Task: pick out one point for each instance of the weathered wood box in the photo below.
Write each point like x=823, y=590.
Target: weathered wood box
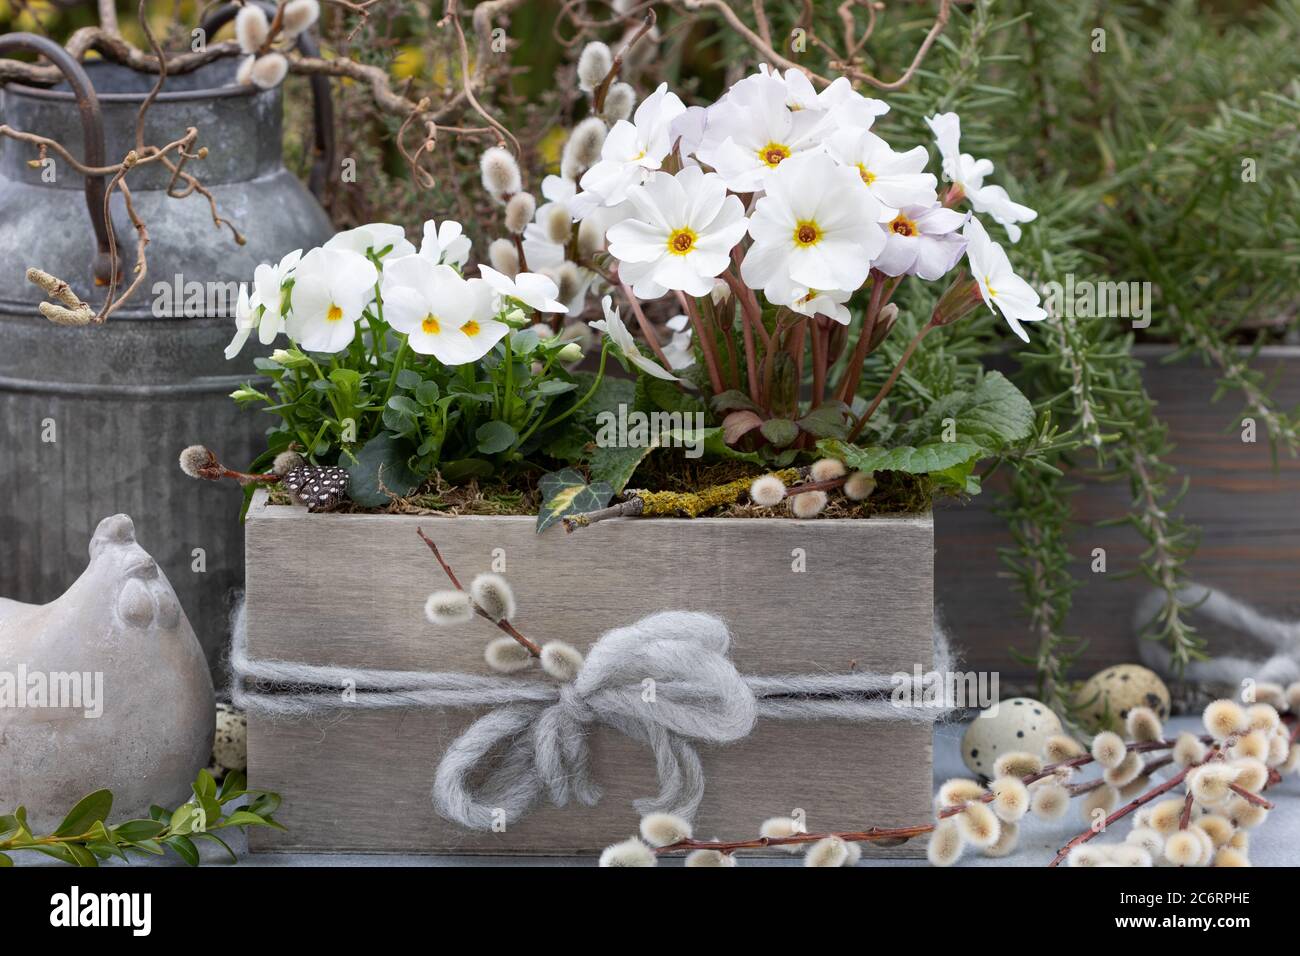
x=349, y=590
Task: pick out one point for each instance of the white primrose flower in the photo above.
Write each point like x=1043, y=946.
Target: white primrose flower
x=534, y=290
x=444, y=243
x=678, y=350
x=331, y=289
x=1015, y=298
x=805, y=301
x=896, y=179
x=816, y=227
x=845, y=105
x=374, y=238
x=680, y=234
x=631, y=152
x=968, y=173
x=442, y=313
x=613, y=327
x=922, y=241
x=751, y=131
x=245, y=322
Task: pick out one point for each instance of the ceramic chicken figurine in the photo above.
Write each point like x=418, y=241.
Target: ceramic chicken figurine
x=106, y=686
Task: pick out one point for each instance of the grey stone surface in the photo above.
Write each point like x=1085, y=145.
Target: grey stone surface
x=138, y=719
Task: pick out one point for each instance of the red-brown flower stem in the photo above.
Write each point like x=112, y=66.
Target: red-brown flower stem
x=818, y=331
x=1249, y=797
x=1119, y=814
x=828, y=485
x=893, y=377
x=503, y=624
x=862, y=348
x=708, y=346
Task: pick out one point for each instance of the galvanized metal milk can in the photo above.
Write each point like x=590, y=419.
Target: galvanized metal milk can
x=92, y=418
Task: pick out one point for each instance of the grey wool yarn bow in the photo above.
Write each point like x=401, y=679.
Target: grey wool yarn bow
x=666, y=681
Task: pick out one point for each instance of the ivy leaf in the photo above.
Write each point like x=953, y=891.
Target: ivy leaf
x=382, y=459
x=926, y=459
x=90, y=809
x=566, y=492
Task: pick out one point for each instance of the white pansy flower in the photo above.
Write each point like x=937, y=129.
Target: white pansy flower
x=442, y=313
x=678, y=350
x=680, y=235
x=375, y=237
x=999, y=286
x=816, y=227
x=534, y=290
x=751, y=131
x=618, y=334
x=968, y=173
x=331, y=289
x=245, y=322
x=896, y=179
x=445, y=243
x=268, y=281
x=922, y=241
x=631, y=152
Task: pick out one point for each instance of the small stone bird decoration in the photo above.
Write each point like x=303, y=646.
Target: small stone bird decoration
x=104, y=687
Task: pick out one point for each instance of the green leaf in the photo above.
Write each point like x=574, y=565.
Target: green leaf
x=205, y=785
x=220, y=842
x=555, y=386
x=381, y=471
x=405, y=405
x=265, y=804
x=5, y=861
x=495, y=436
x=732, y=400
x=927, y=459
x=992, y=416
x=133, y=831
x=464, y=469
x=567, y=492
x=779, y=431
x=828, y=420
x=427, y=393
x=409, y=379
x=90, y=809
x=616, y=464
x=245, y=818
x=232, y=785
x=184, y=848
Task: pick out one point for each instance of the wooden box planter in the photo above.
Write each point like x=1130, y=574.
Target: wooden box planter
x=349, y=590
x=1244, y=507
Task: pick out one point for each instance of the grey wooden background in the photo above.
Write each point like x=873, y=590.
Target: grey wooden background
x=362, y=782
x=1248, y=513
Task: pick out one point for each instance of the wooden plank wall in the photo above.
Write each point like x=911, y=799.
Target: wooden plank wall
x=1248, y=513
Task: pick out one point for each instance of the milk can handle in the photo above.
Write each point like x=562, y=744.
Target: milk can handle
x=322, y=105
x=92, y=129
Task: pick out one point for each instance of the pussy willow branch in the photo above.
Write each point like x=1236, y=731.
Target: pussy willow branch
x=503, y=624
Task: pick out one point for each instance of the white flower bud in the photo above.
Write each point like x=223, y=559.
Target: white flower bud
x=1017, y=763
x=619, y=100
x=582, y=150
x=448, y=607
x=827, y=469
x=562, y=661
x=501, y=176
x=506, y=655
x=298, y=16
x=1188, y=750
x=251, y=28
x=196, y=458
x=244, y=75
x=860, y=485
x=831, y=851
x=1087, y=855
x=556, y=222
x=710, y=858
x=504, y=257
x=1006, y=841
x=493, y=594
x=809, y=504
x=1060, y=747
x=286, y=462
x=594, y=64
x=269, y=71
x=519, y=212
x=1108, y=749
x=628, y=853
x=1223, y=718
x=570, y=353
x=662, y=829
x=767, y=491
x=1051, y=801
x=945, y=844
x=1011, y=798
x=1142, y=724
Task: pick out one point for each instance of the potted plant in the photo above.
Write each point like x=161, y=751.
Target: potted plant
x=787, y=455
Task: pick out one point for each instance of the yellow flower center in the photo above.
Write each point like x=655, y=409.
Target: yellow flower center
x=867, y=175
x=773, y=153
x=471, y=328
x=987, y=284
x=807, y=233
x=335, y=314
x=903, y=226
x=681, y=241
x=430, y=324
